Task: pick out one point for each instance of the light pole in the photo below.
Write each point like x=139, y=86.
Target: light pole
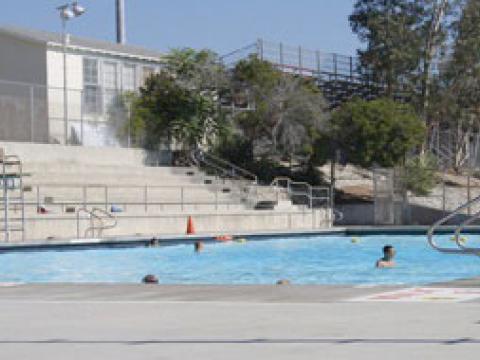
x=67, y=11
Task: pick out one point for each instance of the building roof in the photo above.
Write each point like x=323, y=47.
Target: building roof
x=56, y=39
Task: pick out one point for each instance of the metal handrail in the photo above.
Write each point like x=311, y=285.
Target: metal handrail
x=247, y=175
x=6, y=161
x=92, y=215
x=458, y=231
x=103, y=226
x=308, y=194
x=443, y=220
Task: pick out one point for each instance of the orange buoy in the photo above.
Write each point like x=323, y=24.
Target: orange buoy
x=190, y=227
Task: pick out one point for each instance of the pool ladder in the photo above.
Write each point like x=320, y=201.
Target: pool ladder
x=462, y=249
x=95, y=215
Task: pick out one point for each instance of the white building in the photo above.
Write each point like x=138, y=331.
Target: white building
x=32, y=86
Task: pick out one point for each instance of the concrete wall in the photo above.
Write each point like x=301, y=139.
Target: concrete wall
x=52, y=226
x=356, y=214
x=53, y=153
x=23, y=112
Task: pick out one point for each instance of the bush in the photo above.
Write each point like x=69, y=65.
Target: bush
x=379, y=132
x=420, y=174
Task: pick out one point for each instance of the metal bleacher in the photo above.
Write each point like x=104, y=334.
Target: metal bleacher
x=339, y=77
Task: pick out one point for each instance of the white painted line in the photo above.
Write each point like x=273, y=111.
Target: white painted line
x=9, y=284
x=423, y=294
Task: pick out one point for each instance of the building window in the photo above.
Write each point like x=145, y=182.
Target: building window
x=110, y=84
x=90, y=71
x=128, y=78
x=91, y=88
x=110, y=75
x=147, y=72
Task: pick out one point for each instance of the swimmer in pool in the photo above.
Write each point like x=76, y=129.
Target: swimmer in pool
x=387, y=260
x=198, y=246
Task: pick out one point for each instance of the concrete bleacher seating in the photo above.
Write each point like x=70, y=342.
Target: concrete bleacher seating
x=152, y=199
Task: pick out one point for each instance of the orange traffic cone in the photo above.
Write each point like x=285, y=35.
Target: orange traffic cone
x=190, y=227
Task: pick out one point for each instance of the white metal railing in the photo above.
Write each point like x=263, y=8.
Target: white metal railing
x=461, y=248
x=99, y=215
x=11, y=195
x=183, y=195
x=222, y=166
x=310, y=194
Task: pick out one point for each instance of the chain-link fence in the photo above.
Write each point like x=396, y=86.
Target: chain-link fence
x=93, y=116
x=384, y=196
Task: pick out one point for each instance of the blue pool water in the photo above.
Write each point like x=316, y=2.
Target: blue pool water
x=302, y=260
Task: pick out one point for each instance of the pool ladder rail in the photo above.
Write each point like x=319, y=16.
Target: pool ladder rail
x=99, y=215
x=11, y=196
x=462, y=249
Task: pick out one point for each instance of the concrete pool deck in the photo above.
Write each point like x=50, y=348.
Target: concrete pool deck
x=101, y=321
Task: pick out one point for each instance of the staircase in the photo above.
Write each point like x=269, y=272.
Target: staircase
x=282, y=193
x=65, y=184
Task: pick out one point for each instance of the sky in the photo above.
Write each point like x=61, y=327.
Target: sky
x=220, y=25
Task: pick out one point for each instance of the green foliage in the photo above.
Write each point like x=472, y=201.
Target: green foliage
x=379, y=132
x=322, y=150
x=179, y=105
x=166, y=111
x=196, y=69
x=236, y=149
x=391, y=30
x=289, y=111
x=420, y=174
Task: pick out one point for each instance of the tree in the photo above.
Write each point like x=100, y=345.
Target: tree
x=179, y=105
x=419, y=174
x=289, y=111
x=380, y=132
x=199, y=70
x=392, y=31
x=167, y=112
x=455, y=104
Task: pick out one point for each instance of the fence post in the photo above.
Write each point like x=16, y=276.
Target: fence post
x=38, y=196
x=300, y=60
x=106, y=198
x=317, y=58
x=181, y=197
x=260, y=48
x=351, y=68
x=145, y=197
x=32, y=114
x=469, y=195
x=335, y=69
x=281, y=55
x=82, y=140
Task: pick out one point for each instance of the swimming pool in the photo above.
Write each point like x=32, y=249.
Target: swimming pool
x=332, y=259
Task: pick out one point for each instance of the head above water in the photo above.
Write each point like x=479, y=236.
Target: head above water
x=198, y=246
x=388, y=252
x=150, y=279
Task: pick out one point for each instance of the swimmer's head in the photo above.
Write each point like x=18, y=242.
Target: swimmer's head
x=198, y=246
x=150, y=279
x=389, y=251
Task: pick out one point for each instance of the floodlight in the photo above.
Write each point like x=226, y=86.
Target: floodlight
x=65, y=12
x=78, y=9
